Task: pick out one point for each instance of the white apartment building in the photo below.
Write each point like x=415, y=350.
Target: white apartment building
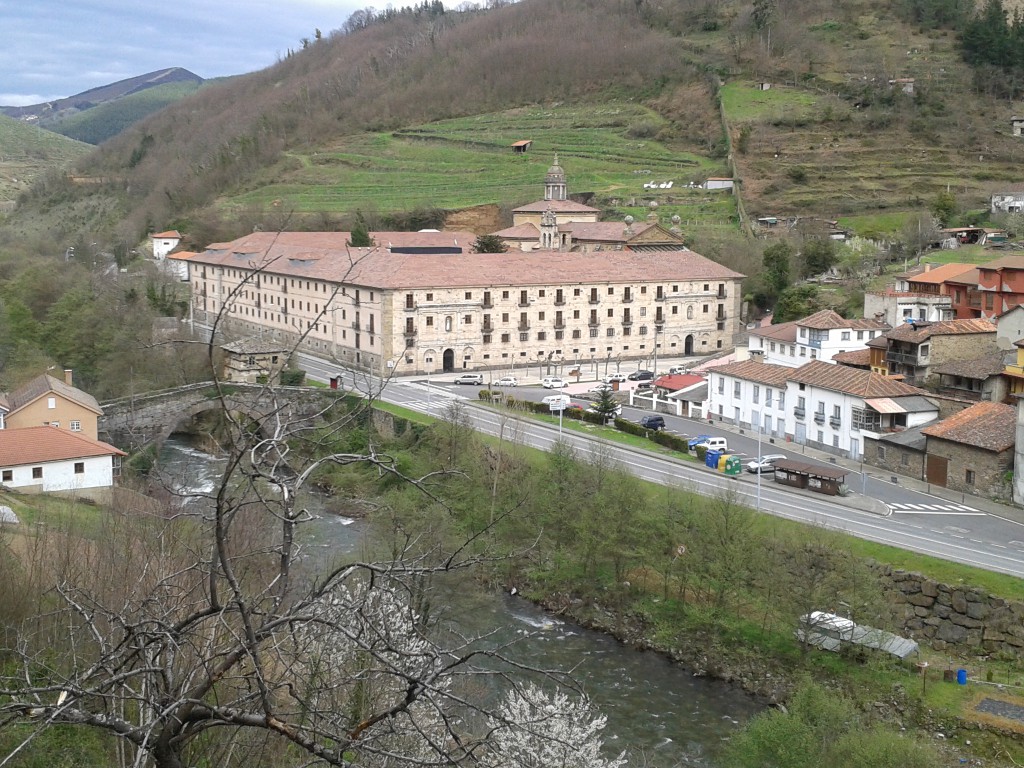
x=820, y=336
x=419, y=302
x=827, y=406
x=750, y=393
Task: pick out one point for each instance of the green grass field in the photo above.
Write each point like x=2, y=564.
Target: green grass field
x=468, y=161
x=745, y=103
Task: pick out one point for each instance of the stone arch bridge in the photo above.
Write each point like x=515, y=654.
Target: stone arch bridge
x=135, y=421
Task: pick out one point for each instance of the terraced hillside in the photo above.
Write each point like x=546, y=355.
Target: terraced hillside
x=463, y=162
x=26, y=152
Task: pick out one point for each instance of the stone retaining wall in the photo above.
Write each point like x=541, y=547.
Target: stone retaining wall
x=960, y=619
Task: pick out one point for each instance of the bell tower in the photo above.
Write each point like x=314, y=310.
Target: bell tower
x=554, y=182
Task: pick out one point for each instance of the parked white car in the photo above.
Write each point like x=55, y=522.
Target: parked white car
x=614, y=377
x=470, y=378
x=507, y=381
x=553, y=382
x=599, y=388
x=767, y=463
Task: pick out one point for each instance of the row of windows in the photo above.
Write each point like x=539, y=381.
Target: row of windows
x=7, y=475
x=262, y=278
x=818, y=334
x=627, y=293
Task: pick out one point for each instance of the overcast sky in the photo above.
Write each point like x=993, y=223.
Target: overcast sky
x=50, y=49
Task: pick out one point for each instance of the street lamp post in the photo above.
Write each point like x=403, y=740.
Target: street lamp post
x=656, y=331
x=759, y=463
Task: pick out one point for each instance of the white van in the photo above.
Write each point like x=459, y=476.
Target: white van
x=716, y=444
x=676, y=369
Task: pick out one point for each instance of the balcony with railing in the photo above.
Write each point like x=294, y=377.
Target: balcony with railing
x=905, y=358
x=559, y=324
x=487, y=328
x=799, y=412
x=835, y=422
x=524, y=325
x=819, y=417
x=594, y=300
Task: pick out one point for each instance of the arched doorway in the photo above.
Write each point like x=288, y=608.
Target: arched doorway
x=688, y=345
x=448, y=361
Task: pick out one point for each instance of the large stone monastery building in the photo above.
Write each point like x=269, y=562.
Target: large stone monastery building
x=422, y=302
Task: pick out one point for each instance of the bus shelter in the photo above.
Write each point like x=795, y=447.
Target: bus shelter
x=813, y=477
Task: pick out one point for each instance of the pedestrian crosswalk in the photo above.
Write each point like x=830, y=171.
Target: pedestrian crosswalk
x=933, y=509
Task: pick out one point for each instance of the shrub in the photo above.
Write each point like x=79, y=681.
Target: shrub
x=643, y=129
x=293, y=377
x=592, y=418
x=701, y=452
x=669, y=440
x=797, y=174
x=624, y=425
x=484, y=394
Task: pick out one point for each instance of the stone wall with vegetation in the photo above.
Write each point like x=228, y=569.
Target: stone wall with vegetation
x=960, y=619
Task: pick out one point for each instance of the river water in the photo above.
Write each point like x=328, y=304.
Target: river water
x=664, y=715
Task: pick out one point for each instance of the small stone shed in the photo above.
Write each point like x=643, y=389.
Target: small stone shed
x=972, y=451
x=255, y=360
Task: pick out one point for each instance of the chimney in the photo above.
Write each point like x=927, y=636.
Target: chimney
x=927, y=267
x=68, y=378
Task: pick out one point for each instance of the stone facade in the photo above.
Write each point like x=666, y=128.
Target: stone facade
x=963, y=620
x=974, y=470
x=896, y=459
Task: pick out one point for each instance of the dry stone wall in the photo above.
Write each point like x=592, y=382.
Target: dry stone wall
x=958, y=619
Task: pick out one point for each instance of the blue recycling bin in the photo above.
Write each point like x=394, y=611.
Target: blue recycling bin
x=711, y=459
x=961, y=677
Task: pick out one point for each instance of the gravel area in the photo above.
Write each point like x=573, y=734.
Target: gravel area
x=1001, y=709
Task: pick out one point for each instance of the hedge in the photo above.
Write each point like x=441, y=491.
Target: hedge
x=624, y=425
x=669, y=440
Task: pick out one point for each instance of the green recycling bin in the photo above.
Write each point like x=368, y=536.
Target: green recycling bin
x=733, y=465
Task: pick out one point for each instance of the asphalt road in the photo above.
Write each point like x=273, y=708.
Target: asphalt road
x=916, y=521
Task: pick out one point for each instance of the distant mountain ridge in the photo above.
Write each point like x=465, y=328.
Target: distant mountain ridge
x=100, y=95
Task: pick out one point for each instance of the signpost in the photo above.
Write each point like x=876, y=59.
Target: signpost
x=558, y=405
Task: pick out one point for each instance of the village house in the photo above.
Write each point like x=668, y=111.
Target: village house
x=47, y=401
x=976, y=378
x=417, y=302
x=918, y=295
x=164, y=242
x=973, y=450
x=1010, y=327
x=820, y=336
x=1001, y=285
x=750, y=394
x=48, y=460
x=837, y=408
x=1013, y=371
x=915, y=349
x=1009, y=199
x=831, y=407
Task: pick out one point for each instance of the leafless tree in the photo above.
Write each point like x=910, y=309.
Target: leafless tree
x=202, y=632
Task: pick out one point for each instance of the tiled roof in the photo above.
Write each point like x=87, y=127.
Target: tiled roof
x=527, y=231
x=752, y=370
x=44, y=384
x=977, y=368
x=677, y=381
x=984, y=425
x=970, y=277
x=556, y=206
x=940, y=273
x=854, y=357
x=316, y=256
x=918, y=332
x=829, y=319
x=171, y=233
x=34, y=445
x=879, y=342
x=782, y=332
x=255, y=345
x=852, y=381
x=1010, y=261
x=610, y=231
x=290, y=242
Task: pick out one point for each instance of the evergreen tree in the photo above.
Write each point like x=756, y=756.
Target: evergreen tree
x=360, y=235
x=490, y=244
x=776, y=264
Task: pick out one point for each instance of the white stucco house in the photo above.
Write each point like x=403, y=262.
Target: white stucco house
x=48, y=459
x=827, y=406
x=820, y=336
x=749, y=393
x=164, y=243
x=835, y=407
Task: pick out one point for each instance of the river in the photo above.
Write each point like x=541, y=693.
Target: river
x=661, y=713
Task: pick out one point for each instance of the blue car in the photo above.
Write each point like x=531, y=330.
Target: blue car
x=695, y=441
